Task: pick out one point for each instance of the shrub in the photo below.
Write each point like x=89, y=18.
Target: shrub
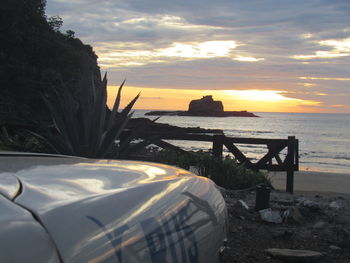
x=226, y=173
x=21, y=141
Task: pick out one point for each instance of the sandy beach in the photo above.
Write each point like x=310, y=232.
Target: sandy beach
x=314, y=181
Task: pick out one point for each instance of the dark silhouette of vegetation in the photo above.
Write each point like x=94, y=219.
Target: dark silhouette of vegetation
x=35, y=57
x=81, y=125
x=51, y=85
x=21, y=141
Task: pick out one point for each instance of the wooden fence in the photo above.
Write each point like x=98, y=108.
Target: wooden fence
x=271, y=161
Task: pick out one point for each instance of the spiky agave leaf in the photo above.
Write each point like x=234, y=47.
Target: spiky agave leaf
x=63, y=123
x=85, y=108
x=128, y=108
x=111, y=135
x=116, y=105
x=81, y=124
x=116, y=124
x=100, y=118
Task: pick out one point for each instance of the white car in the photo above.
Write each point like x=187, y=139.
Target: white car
x=69, y=209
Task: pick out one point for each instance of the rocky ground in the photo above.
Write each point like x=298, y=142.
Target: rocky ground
x=319, y=223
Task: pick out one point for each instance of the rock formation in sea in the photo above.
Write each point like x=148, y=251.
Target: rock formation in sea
x=205, y=107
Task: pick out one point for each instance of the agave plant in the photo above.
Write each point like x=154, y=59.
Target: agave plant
x=82, y=124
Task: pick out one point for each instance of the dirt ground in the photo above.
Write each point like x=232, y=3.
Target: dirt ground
x=310, y=221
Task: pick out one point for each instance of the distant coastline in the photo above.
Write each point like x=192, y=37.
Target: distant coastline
x=204, y=107
x=200, y=114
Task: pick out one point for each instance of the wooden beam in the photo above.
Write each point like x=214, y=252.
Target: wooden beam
x=296, y=157
x=238, y=154
x=257, y=141
x=270, y=154
x=278, y=159
x=290, y=164
x=189, y=137
x=218, y=145
x=166, y=145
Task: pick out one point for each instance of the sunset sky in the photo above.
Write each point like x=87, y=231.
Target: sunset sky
x=280, y=55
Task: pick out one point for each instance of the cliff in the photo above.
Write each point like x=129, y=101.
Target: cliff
x=36, y=58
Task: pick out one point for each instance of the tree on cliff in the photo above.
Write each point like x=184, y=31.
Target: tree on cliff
x=35, y=56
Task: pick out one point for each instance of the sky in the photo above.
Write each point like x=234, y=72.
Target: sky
x=267, y=55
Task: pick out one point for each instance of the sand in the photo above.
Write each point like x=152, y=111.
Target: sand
x=313, y=181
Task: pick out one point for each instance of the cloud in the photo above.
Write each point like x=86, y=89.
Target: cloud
x=325, y=78
x=339, y=48
x=299, y=47
x=248, y=59
x=124, y=54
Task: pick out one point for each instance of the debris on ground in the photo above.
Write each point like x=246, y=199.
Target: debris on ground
x=294, y=255
x=308, y=226
x=271, y=216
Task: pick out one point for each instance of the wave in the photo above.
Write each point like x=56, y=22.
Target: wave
x=326, y=156
x=325, y=163
x=230, y=133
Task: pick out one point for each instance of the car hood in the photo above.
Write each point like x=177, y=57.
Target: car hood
x=86, y=203
x=55, y=182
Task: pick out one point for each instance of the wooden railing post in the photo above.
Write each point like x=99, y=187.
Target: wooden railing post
x=124, y=138
x=296, y=156
x=290, y=164
x=218, y=143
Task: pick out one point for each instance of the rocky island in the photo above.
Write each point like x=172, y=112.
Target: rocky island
x=205, y=107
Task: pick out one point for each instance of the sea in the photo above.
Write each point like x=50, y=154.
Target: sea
x=324, y=139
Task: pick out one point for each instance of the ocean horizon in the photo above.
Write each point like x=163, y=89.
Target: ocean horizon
x=324, y=138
